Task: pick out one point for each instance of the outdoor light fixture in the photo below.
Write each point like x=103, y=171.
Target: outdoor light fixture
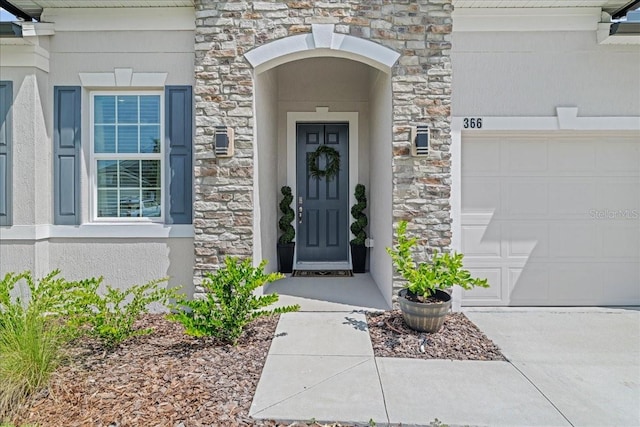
x=223, y=141
x=420, y=140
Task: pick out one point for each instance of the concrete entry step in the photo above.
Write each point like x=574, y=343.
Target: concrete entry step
x=330, y=293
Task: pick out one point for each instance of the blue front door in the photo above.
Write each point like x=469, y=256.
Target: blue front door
x=322, y=204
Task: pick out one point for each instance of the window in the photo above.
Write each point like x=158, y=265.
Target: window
x=127, y=155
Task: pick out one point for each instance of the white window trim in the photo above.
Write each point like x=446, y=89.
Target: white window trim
x=93, y=176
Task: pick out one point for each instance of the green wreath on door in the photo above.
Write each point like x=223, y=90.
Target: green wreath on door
x=333, y=163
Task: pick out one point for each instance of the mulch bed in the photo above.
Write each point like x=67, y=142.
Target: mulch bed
x=170, y=379
x=459, y=339
x=163, y=379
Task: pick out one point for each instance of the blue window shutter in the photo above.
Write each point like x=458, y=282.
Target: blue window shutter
x=179, y=142
x=6, y=100
x=66, y=154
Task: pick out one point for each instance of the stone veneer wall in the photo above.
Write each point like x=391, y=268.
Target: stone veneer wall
x=418, y=29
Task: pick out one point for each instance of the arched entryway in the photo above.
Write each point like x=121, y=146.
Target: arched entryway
x=324, y=79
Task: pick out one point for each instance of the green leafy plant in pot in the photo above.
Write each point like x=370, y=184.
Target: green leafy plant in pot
x=424, y=301
x=286, y=246
x=358, y=248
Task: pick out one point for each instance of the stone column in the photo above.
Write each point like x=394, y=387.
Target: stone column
x=225, y=30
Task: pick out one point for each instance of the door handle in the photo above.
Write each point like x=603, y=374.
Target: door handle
x=300, y=210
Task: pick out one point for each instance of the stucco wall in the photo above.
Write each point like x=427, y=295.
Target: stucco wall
x=531, y=73
x=380, y=208
x=86, y=40
x=266, y=160
x=30, y=149
x=339, y=84
x=124, y=262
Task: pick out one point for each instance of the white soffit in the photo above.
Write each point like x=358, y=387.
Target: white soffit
x=527, y=19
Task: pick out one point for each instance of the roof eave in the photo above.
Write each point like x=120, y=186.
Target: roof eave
x=19, y=13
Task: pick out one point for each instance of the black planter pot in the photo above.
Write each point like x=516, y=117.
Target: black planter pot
x=425, y=317
x=358, y=257
x=285, y=257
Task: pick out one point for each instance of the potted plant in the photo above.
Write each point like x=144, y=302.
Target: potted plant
x=358, y=248
x=424, y=301
x=286, y=246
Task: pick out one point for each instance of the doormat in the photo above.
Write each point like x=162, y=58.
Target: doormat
x=322, y=273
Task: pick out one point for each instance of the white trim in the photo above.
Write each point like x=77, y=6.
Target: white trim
x=323, y=41
x=94, y=157
x=604, y=37
x=456, y=206
x=121, y=19
x=122, y=77
x=96, y=231
x=566, y=119
x=34, y=29
x=527, y=19
x=19, y=52
x=322, y=115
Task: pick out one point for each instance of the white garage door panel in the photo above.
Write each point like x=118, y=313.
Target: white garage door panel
x=552, y=219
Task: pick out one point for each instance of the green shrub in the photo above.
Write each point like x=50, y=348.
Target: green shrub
x=229, y=303
x=443, y=271
x=359, y=218
x=32, y=333
x=111, y=316
x=288, y=232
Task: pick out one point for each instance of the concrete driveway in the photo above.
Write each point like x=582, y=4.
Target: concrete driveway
x=567, y=367
x=584, y=361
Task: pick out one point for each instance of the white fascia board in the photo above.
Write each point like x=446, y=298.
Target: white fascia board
x=527, y=19
x=627, y=39
x=566, y=119
x=34, y=29
x=96, y=231
x=121, y=19
x=23, y=53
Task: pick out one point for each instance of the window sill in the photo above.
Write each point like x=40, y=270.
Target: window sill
x=97, y=231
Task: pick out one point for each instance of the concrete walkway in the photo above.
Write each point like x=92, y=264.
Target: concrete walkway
x=567, y=368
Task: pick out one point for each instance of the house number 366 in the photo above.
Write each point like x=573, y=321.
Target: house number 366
x=472, y=123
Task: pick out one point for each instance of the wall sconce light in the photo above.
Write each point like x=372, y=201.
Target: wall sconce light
x=420, y=140
x=223, y=141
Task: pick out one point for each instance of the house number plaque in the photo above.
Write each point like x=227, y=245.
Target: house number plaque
x=472, y=123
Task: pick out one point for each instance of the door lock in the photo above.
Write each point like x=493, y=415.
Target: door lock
x=300, y=210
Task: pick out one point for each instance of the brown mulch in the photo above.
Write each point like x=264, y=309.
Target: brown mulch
x=170, y=379
x=163, y=379
x=459, y=339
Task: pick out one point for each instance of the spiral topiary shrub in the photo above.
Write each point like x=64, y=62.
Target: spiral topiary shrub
x=360, y=219
x=288, y=215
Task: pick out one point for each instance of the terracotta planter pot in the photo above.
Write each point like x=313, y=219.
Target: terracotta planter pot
x=425, y=317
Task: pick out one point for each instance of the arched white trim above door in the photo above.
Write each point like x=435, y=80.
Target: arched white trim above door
x=322, y=41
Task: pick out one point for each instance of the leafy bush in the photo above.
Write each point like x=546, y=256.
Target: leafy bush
x=111, y=316
x=288, y=232
x=32, y=332
x=443, y=271
x=230, y=303
x=360, y=219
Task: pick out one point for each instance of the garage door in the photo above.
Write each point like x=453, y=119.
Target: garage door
x=552, y=219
